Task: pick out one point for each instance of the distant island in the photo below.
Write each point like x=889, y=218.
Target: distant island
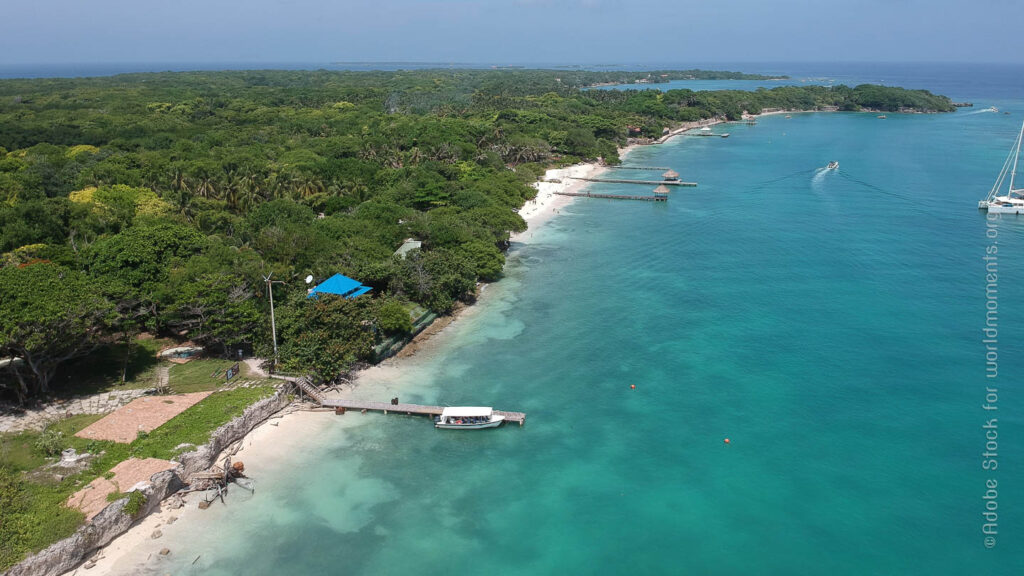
x=663, y=76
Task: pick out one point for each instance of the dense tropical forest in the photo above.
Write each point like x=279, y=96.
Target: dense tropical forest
x=156, y=203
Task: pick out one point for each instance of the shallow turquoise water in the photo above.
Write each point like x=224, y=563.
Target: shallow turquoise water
x=827, y=323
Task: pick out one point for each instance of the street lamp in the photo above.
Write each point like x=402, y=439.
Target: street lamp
x=273, y=326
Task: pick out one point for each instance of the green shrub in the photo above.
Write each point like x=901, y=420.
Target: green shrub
x=50, y=442
x=393, y=318
x=136, y=501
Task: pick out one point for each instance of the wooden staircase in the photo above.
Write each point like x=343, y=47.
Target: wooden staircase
x=307, y=387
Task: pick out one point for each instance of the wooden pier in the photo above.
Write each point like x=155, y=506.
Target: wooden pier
x=615, y=196
x=342, y=405
x=657, y=168
x=645, y=182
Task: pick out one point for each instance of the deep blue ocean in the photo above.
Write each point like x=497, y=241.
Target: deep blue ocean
x=828, y=323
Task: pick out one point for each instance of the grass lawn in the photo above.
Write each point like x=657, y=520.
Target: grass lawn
x=204, y=374
x=32, y=511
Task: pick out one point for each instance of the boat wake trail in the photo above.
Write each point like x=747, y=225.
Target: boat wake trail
x=819, y=176
x=762, y=185
x=985, y=111
x=879, y=189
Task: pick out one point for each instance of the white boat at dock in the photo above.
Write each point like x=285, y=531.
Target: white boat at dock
x=468, y=418
x=1013, y=201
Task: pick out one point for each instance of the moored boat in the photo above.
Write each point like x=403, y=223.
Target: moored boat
x=1013, y=201
x=468, y=418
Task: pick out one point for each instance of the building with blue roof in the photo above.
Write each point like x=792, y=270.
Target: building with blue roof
x=341, y=286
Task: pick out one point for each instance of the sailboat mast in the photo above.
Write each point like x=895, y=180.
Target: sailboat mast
x=1016, y=156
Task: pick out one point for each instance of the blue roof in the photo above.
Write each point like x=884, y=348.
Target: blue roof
x=340, y=285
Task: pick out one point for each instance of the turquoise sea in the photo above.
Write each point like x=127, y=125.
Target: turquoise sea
x=829, y=324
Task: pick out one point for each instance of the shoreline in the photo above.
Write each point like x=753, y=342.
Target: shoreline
x=263, y=448
x=263, y=445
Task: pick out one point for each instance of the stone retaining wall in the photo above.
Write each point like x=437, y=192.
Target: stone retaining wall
x=63, y=556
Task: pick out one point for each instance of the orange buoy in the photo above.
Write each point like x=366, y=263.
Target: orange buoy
x=632, y=386
x=726, y=440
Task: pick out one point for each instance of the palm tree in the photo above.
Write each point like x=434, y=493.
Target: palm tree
x=181, y=199
x=445, y=153
x=273, y=186
x=230, y=188
x=309, y=186
x=205, y=187
x=252, y=183
x=179, y=181
x=357, y=191
x=415, y=156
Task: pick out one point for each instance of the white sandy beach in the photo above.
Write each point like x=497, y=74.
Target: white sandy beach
x=547, y=203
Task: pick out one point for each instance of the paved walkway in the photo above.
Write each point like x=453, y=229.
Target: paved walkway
x=256, y=367
x=93, y=498
x=140, y=415
x=103, y=403
x=163, y=377
x=38, y=418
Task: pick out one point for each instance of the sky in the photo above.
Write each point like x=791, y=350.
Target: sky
x=510, y=31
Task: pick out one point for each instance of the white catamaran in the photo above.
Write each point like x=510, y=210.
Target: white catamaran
x=1013, y=201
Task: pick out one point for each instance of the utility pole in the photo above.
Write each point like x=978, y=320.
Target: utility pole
x=273, y=326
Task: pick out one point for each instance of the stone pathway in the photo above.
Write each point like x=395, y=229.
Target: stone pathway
x=103, y=403
x=127, y=474
x=256, y=367
x=163, y=376
x=140, y=415
x=38, y=418
x=245, y=384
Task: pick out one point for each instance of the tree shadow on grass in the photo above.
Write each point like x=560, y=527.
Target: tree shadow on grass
x=101, y=371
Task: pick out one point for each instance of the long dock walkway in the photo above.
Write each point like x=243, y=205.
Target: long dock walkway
x=647, y=182
x=614, y=196
x=624, y=167
x=341, y=405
